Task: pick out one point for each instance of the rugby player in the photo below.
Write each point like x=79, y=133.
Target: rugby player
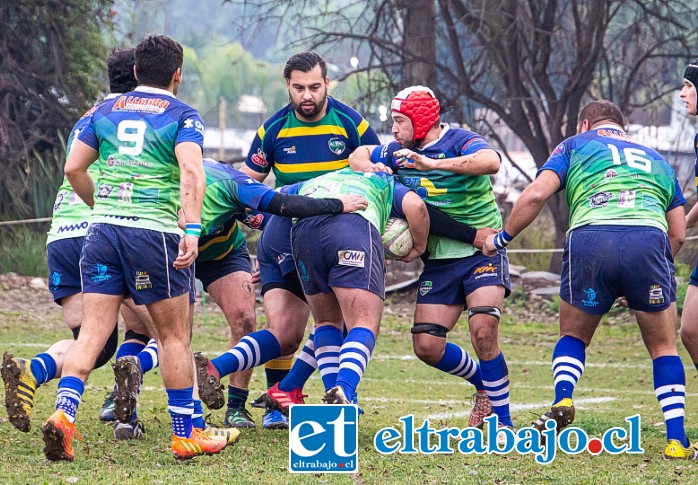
x=626, y=223
x=149, y=148
x=450, y=167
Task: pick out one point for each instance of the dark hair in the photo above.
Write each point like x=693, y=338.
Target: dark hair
x=304, y=62
x=601, y=110
x=157, y=59
x=120, y=67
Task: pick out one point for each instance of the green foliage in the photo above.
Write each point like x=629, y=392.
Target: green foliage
x=539, y=235
x=23, y=250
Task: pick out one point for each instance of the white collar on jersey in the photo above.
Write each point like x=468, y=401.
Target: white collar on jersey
x=444, y=129
x=152, y=90
x=112, y=96
x=612, y=126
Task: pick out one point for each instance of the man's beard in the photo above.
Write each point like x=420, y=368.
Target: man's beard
x=317, y=108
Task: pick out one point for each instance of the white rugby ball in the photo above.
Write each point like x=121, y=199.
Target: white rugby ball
x=397, y=240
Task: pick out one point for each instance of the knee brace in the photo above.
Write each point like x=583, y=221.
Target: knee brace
x=109, y=348
x=131, y=335
x=492, y=311
x=431, y=328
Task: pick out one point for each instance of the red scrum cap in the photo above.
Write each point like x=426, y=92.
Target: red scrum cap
x=420, y=105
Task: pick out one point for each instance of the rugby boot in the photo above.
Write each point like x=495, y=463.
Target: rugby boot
x=281, y=400
x=260, y=402
x=239, y=418
x=336, y=396
x=482, y=407
x=274, y=419
x=106, y=412
x=129, y=378
x=20, y=389
x=562, y=412
x=128, y=431
x=231, y=435
x=209, y=380
x=674, y=450
x=199, y=444
x=58, y=437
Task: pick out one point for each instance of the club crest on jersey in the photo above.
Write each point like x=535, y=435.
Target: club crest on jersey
x=600, y=199
x=349, y=257
x=336, y=145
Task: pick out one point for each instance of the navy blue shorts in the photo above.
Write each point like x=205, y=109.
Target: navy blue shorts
x=602, y=263
x=450, y=281
x=63, y=256
x=119, y=260
x=236, y=260
x=343, y=251
x=274, y=253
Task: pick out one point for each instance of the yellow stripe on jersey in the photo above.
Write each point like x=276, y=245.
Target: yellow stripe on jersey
x=311, y=167
x=261, y=132
x=220, y=238
x=431, y=189
x=312, y=130
x=225, y=253
x=696, y=181
x=363, y=126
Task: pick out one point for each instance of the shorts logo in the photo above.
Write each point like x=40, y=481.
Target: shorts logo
x=656, y=295
x=101, y=275
x=600, y=199
x=486, y=271
x=143, y=280
x=591, y=298
x=281, y=257
x=626, y=198
x=259, y=158
x=336, y=145
x=323, y=439
x=303, y=272
x=425, y=287
x=55, y=280
x=349, y=257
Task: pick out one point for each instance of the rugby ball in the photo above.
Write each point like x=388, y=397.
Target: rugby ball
x=397, y=240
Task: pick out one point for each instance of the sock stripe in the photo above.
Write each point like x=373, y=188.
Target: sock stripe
x=497, y=383
x=564, y=359
x=671, y=388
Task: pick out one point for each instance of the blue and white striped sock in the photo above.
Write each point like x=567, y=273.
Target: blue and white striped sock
x=354, y=357
x=456, y=361
x=129, y=348
x=197, y=418
x=149, y=356
x=69, y=394
x=569, y=357
x=252, y=350
x=495, y=378
x=43, y=368
x=670, y=389
x=303, y=367
x=180, y=405
x=328, y=341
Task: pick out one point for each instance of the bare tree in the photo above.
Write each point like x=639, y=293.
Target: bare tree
x=531, y=62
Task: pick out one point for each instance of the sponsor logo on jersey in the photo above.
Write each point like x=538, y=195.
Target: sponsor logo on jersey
x=425, y=287
x=610, y=173
x=73, y=227
x=143, y=280
x=59, y=201
x=124, y=218
x=254, y=221
x=336, y=145
x=656, y=295
x=196, y=124
x=102, y=274
x=290, y=150
x=104, y=191
x=600, y=199
x=110, y=161
x=617, y=134
x=136, y=103
x=591, y=298
x=559, y=150
x=626, y=198
x=259, y=158
x=350, y=257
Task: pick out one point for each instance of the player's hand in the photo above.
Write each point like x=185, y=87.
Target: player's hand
x=255, y=276
x=411, y=256
x=353, y=202
x=413, y=160
x=689, y=223
x=180, y=219
x=188, y=251
x=481, y=236
x=488, y=248
x=379, y=167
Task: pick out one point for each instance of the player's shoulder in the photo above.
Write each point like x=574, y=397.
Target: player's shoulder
x=272, y=125
x=340, y=107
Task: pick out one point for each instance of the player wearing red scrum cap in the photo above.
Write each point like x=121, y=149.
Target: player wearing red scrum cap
x=450, y=168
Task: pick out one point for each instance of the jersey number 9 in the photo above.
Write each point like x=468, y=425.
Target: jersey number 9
x=131, y=132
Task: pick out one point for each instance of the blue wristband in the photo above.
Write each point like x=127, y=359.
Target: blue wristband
x=502, y=239
x=193, y=229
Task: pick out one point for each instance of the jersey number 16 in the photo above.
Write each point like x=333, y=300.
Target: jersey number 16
x=634, y=157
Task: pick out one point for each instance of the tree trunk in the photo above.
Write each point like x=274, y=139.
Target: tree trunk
x=418, y=43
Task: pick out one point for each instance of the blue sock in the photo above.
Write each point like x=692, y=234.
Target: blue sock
x=495, y=378
x=237, y=397
x=456, y=361
x=328, y=341
x=252, y=350
x=670, y=389
x=303, y=367
x=43, y=368
x=197, y=418
x=568, y=365
x=149, y=356
x=180, y=404
x=69, y=394
x=354, y=357
x=129, y=348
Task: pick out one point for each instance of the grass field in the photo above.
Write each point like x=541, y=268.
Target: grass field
x=616, y=384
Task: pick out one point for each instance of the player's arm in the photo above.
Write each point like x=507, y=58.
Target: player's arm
x=81, y=156
x=360, y=160
x=192, y=186
x=692, y=217
x=259, y=158
x=441, y=224
x=525, y=210
x=417, y=218
x=258, y=176
x=288, y=205
x=482, y=162
x=676, y=222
